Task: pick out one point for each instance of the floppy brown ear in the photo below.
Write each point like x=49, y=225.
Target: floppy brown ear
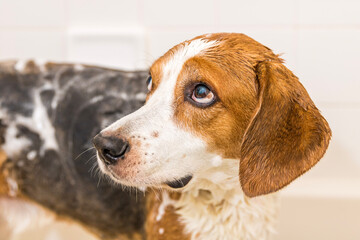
x=287, y=135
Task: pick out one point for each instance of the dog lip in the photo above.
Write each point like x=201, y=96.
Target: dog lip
x=180, y=183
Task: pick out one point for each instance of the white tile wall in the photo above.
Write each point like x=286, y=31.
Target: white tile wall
x=255, y=12
x=34, y=13
x=33, y=43
x=328, y=60
x=328, y=12
x=190, y=13
x=111, y=47
x=103, y=13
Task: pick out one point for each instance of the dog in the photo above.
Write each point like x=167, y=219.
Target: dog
x=49, y=112
x=225, y=126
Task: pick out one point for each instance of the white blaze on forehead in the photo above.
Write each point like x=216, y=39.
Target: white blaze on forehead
x=172, y=68
x=162, y=99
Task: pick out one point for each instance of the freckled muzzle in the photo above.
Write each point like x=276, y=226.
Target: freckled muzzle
x=111, y=149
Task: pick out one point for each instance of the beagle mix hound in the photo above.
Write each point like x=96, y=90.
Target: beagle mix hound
x=224, y=127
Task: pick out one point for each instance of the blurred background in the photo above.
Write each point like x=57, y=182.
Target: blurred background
x=319, y=39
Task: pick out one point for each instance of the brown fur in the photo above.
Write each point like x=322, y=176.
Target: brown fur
x=230, y=70
x=263, y=116
x=4, y=189
x=287, y=135
x=173, y=228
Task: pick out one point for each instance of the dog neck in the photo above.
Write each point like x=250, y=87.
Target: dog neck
x=216, y=208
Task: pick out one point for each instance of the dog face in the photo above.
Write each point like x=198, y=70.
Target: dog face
x=217, y=103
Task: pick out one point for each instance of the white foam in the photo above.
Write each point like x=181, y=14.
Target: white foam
x=140, y=96
x=13, y=187
x=96, y=99
x=41, y=64
x=166, y=201
x=14, y=144
x=79, y=67
x=20, y=65
x=41, y=124
x=31, y=155
x=2, y=113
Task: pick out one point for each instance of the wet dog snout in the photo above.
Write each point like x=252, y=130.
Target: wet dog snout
x=111, y=149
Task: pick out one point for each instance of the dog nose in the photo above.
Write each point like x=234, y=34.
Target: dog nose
x=111, y=149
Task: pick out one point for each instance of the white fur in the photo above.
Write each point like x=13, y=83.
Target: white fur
x=31, y=155
x=216, y=161
x=2, y=113
x=20, y=65
x=41, y=63
x=161, y=164
x=140, y=96
x=215, y=208
x=166, y=201
x=13, y=143
x=79, y=67
x=41, y=124
x=13, y=186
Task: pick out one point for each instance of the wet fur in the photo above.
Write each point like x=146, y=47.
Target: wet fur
x=63, y=178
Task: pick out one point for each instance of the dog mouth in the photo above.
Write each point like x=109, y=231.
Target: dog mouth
x=179, y=183
x=176, y=184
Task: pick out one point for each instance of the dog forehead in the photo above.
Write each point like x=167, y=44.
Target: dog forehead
x=167, y=68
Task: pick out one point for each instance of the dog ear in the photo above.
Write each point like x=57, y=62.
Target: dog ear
x=286, y=136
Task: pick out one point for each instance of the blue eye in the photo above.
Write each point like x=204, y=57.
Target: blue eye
x=149, y=83
x=202, y=94
x=201, y=91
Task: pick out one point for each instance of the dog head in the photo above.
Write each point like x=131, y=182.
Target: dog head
x=218, y=102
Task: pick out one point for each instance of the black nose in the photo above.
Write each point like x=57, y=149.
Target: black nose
x=110, y=149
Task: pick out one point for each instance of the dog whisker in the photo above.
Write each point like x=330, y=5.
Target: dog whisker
x=85, y=151
x=94, y=166
x=90, y=159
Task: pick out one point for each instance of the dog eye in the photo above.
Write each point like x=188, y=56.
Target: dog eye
x=202, y=94
x=149, y=83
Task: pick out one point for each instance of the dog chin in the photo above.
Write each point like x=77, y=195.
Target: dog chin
x=174, y=185
x=177, y=184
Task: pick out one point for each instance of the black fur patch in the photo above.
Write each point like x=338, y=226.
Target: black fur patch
x=79, y=102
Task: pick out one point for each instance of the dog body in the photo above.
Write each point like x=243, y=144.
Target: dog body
x=220, y=108
x=48, y=115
